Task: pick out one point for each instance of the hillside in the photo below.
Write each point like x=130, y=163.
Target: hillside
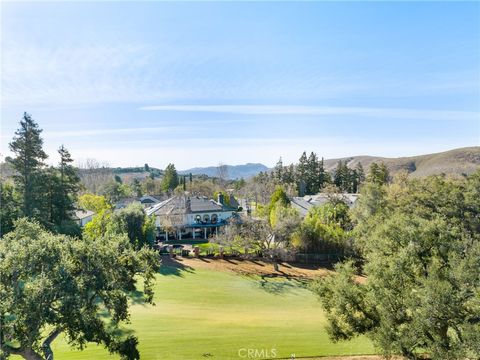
x=234, y=171
x=456, y=162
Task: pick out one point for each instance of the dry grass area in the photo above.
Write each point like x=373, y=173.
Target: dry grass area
x=251, y=267
x=254, y=268
x=360, y=357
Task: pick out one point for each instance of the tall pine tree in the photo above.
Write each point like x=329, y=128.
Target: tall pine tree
x=301, y=172
x=339, y=176
x=322, y=175
x=360, y=173
x=378, y=174
x=68, y=186
x=312, y=185
x=278, y=171
x=28, y=163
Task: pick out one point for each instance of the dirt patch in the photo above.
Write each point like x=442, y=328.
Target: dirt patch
x=360, y=357
x=261, y=268
x=251, y=267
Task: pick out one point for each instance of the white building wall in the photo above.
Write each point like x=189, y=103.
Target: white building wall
x=189, y=219
x=221, y=216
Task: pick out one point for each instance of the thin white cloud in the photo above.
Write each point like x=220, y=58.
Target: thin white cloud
x=384, y=113
x=95, y=132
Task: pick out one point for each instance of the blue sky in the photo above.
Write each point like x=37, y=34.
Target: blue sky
x=202, y=83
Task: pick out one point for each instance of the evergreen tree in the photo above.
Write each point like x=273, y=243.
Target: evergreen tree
x=28, y=163
x=312, y=180
x=347, y=178
x=170, y=178
x=289, y=174
x=68, y=187
x=384, y=175
x=137, y=187
x=354, y=181
x=373, y=173
x=360, y=173
x=278, y=171
x=339, y=176
x=300, y=174
x=51, y=196
x=322, y=175
x=378, y=174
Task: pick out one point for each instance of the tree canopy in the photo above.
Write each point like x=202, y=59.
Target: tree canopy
x=54, y=284
x=421, y=251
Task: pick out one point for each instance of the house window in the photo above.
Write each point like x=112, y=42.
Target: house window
x=206, y=218
x=198, y=219
x=214, y=218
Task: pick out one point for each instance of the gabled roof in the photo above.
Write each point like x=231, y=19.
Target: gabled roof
x=303, y=204
x=162, y=207
x=124, y=202
x=322, y=198
x=82, y=214
x=203, y=204
x=147, y=199
x=186, y=205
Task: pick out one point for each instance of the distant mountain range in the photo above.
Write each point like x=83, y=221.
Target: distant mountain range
x=457, y=161
x=233, y=171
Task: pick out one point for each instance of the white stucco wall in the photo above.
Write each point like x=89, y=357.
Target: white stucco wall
x=189, y=219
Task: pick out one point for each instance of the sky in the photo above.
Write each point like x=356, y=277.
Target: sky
x=203, y=83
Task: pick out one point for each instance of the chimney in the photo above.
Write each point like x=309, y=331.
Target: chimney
x=220, y=198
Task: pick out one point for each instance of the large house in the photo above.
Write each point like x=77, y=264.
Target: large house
x=190, y=217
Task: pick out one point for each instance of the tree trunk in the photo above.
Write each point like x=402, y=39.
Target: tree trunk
x=46, y=346
x=30, y=354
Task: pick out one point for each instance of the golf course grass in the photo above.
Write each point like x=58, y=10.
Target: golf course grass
x=208, y=314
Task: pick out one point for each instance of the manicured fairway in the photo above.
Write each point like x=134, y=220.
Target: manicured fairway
x=207, y=314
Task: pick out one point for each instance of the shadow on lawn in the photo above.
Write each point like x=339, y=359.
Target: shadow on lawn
x=280, y=284
x=174, y=267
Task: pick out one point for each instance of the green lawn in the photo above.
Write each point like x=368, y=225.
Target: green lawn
x=205, y=314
